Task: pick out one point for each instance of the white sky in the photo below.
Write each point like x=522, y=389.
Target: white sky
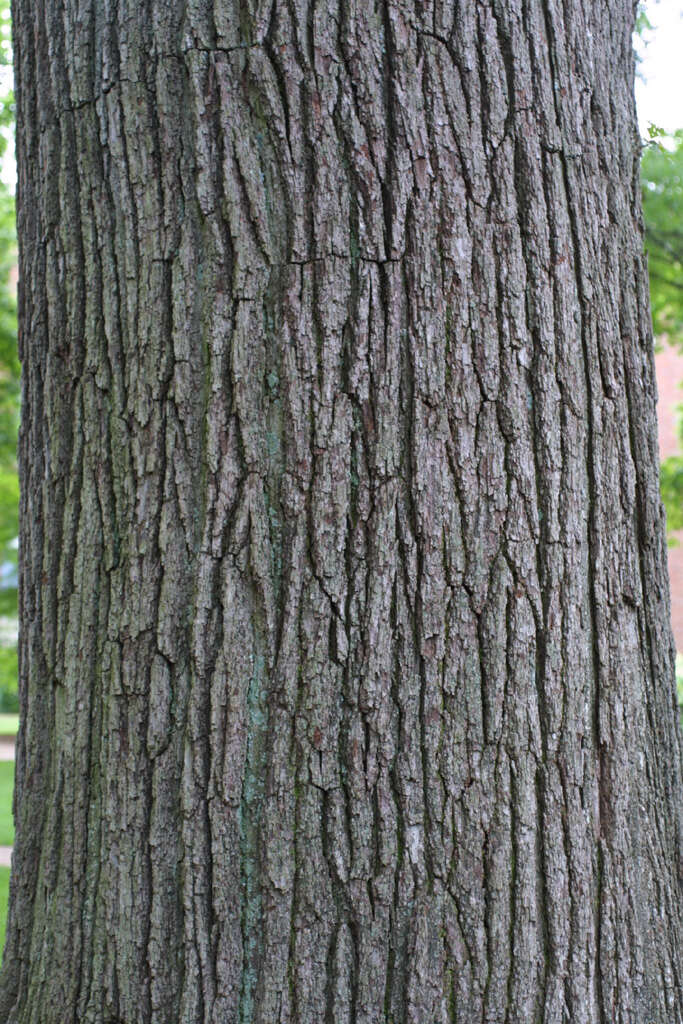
x=659, y=93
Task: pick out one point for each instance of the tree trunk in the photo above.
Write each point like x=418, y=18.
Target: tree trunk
x=346, y=668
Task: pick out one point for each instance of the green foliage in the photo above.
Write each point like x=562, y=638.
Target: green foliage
x=5, y=32
x=671, y=478
x=9, y=502
x=9, y=700
x=662, y=183
x=643, y=23
x=654, y=132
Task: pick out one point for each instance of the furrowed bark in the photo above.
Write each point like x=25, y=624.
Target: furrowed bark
x=346, y=668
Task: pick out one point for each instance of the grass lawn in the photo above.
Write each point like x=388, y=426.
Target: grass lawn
x=9, y=725
x=6, y=787
x=4, y=895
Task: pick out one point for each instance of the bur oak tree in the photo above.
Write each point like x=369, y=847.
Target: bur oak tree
x=346, y=667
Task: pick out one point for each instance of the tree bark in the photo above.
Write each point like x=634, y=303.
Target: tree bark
x=346, y=668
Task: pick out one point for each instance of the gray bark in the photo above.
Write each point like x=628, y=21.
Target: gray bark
x=346, y=668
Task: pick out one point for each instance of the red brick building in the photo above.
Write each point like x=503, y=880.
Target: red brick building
x=669, y=383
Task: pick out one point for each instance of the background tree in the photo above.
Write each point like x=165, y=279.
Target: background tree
x=346, y=673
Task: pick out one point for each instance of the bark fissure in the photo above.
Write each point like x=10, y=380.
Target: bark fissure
x=346, y=673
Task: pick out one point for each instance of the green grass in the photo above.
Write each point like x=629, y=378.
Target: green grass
x=4, y=897
x=6, y=788
x=9, y=725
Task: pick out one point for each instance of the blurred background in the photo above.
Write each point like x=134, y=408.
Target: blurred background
x=659, y=87
x=9, y=381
